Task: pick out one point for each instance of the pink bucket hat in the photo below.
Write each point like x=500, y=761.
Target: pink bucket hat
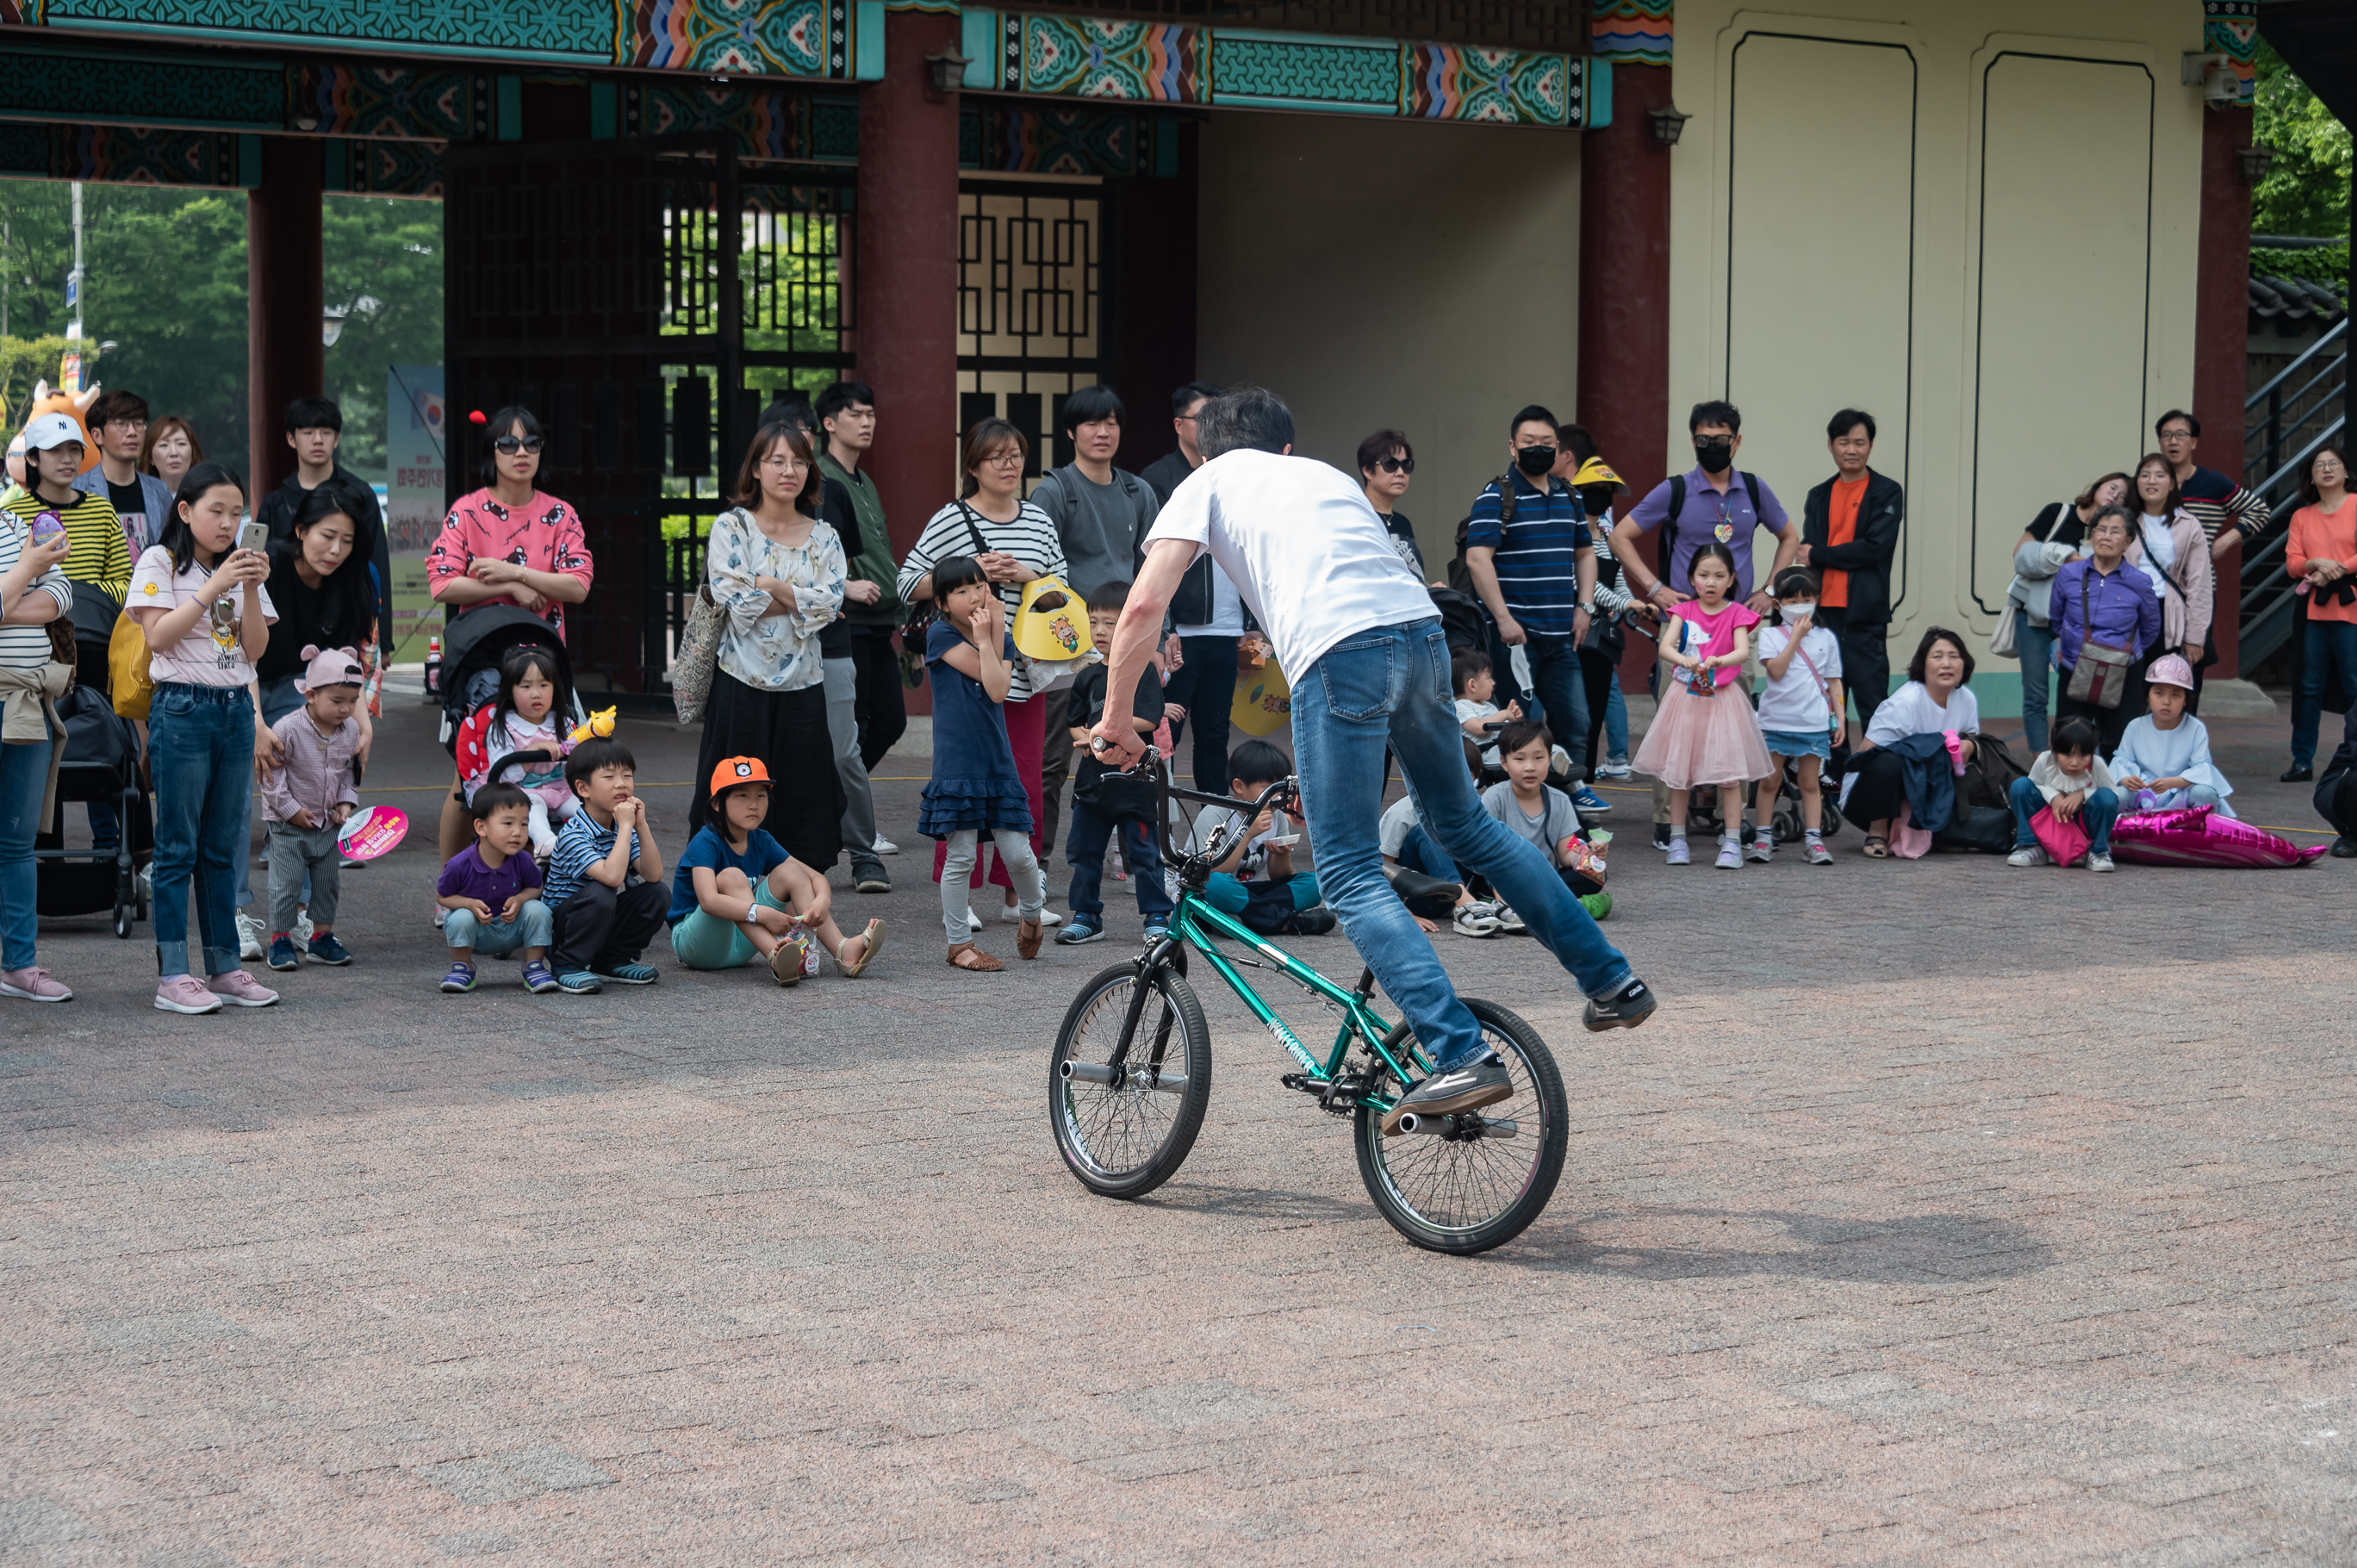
x=338, y=667
x=2170, y=670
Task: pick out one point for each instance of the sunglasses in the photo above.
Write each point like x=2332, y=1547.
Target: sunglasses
x=509, y=445
x=1396, y=465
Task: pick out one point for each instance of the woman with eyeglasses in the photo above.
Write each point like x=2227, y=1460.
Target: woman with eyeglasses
x=1015, y=541
x=1386, y=462
x=507, y=543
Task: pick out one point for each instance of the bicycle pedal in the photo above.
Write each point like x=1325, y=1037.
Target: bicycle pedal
x=1301, y=1082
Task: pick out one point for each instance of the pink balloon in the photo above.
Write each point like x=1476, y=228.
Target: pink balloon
x=2195, y=835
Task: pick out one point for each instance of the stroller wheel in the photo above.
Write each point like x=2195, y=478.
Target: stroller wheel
x=122, y=921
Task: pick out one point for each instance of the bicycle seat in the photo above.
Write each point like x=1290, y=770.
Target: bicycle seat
x=1415, y=885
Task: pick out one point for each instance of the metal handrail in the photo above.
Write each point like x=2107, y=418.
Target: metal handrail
x=2339, y=329
x=2279, y=577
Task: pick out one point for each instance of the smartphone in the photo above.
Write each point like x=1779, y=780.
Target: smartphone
x=252, y=534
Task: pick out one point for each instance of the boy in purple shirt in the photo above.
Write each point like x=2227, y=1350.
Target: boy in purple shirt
x=491, y=889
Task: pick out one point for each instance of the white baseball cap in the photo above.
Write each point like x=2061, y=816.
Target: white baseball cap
x=47, y=432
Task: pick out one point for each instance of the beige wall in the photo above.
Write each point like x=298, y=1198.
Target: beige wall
x=1977, y=221
x=1375, y=274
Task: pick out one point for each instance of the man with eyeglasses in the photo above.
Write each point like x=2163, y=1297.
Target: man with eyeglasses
x=315, y=428
x=2229, y=512
x=142, y=502
x=1533, y=566
x=871, y=606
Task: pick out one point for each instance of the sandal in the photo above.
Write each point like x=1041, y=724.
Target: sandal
x=869, y=941
x=1026, y=938
x=1876, y=847
x=965, y=955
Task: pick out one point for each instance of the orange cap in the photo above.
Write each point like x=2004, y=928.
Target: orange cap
x=732, y=771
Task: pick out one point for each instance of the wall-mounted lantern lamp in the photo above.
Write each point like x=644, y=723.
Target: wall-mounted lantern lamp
x=1668, y=124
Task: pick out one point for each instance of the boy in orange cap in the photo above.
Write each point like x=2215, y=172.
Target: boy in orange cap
x=738, y=895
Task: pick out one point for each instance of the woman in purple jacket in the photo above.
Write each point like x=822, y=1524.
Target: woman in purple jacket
x=2106, y=598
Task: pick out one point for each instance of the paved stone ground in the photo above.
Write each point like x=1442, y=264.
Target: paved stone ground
x=1945, y=1213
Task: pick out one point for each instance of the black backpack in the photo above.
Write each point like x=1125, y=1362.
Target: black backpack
x=1678, y=505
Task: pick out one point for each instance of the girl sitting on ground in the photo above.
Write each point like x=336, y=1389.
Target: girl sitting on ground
x=2070, y=781
x=2163, y=761
x=738, y=895
x=1706, y=734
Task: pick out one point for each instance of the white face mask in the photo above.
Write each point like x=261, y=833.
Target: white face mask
x=1797, y=611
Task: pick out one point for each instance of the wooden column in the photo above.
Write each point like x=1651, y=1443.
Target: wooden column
x=2221, y=344
x=284, y=357
x=1624, y=298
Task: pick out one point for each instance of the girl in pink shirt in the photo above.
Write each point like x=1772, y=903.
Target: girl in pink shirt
x=1705, y=734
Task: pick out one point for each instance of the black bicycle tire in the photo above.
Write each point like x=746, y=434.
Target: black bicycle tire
x=1554, y=1143
x=1187, y=1124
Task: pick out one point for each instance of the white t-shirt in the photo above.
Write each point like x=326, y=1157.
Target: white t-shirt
x=1302, y=546
x=213, y=653
x=1912, y=711
x=1796, y=703
x=1398, y=818
x=1227, y=609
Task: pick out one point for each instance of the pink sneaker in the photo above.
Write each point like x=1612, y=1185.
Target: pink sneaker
x=33, y=985
x=181, y=994
x=239, y=989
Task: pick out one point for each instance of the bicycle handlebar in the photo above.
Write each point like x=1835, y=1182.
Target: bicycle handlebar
x=1285, y=791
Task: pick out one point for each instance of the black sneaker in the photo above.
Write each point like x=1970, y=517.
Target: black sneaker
x=1630, y=1008
x=868, y=877
x=1467, y=1087
x=1314, y=922
x=1661, y=835
x=2344, y=848
x=2296, y=774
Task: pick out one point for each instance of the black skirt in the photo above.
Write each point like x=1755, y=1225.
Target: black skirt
x=787, y=731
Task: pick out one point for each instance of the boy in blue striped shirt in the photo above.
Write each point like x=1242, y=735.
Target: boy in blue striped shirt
x=605, y=890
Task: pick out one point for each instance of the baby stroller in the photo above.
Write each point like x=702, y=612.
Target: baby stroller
x=101, y=763
x=472, y=649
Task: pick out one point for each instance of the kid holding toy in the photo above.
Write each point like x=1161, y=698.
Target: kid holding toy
x=1705, y=736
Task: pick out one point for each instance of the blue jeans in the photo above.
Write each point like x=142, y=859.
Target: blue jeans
x=1084, y=847
x=24, y=777
x=534, y=926
x=1616, y=723
x=2100, y=809
x=2333, y=641
x=201, y=752
x=1389, y=686
x=2036, y=645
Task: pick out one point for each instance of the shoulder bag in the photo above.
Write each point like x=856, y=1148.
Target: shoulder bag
x=698, y=654
x=2100, y=676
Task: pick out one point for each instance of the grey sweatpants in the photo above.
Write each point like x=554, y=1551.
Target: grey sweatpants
x=842, y=729
x=295, y=853
x=957, y=868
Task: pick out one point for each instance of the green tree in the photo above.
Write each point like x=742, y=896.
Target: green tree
x=383, y=265
x=2306, y=188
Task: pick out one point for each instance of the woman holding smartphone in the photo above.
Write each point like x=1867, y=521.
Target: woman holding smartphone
x=197, y=594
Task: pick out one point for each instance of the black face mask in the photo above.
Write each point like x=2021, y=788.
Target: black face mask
x=1714, y=455
x=1534, y=460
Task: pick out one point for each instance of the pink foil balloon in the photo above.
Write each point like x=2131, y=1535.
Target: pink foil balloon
x=2195, y=835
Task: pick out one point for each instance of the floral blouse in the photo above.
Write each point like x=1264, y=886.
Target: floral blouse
x=780, y=652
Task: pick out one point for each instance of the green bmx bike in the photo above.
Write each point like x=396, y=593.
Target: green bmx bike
x=1131, y=1075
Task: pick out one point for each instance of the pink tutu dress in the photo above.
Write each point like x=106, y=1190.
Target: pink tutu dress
x=1710, y=738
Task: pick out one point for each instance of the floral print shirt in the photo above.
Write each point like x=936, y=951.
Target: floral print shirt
x=543, y=535
x=780, y=652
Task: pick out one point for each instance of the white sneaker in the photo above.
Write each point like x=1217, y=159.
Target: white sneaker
x=249, y=936
x=2099, y=862
x=1014, y=916
x=440, y=914
x=1615, y=768
x=1560, y=759
x=972, y=921
x=1477, y=920
x=302, y=931
x=886, y=846
x=2029, y=855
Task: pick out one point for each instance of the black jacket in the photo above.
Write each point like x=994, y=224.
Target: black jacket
x=277, y=512
x=1867, y=557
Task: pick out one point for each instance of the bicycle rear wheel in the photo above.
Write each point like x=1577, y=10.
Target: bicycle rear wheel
x=1125, y=1131
x=1478, y=1179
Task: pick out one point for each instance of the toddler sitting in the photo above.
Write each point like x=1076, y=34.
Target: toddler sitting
x=528, y=717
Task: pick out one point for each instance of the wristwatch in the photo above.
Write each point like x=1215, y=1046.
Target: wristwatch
x=1586, y=609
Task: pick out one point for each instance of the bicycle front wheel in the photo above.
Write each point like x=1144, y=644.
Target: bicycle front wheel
x=1469, y=1182
x=1125, y=1131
